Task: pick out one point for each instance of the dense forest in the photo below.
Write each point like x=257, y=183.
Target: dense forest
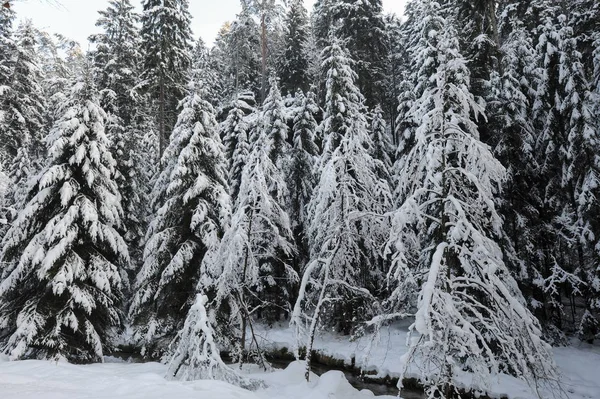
x=338, y=170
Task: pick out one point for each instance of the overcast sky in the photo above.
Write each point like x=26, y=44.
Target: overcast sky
x=76, y=18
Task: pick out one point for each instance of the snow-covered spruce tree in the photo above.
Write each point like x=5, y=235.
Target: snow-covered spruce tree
x=253, y=257
x=241, y=53
x=61, y=287
x=479, y=44
x=396, y=60
x=511, y=107
x=293, y=68
x=23, y=104
x=346, y=229
x=118, y=63
x=191, y=207
x=382, y=144
x=580, y=175
x=20, y=172
x=4, y=214
x=301, y=168
x=273, y=123
x=197, y=355
x=166, y=44
x=235, y=131
x=557, y=257
x=117, y=57
x=7, y=48
x=361, y=25
x=205, y=70
x=470, y=314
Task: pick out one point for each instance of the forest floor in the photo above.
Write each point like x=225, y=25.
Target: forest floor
x=116, y=379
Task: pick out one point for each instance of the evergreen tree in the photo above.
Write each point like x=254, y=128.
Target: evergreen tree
x=302, y=159
x=205, y=71
x=7, y=46
x=268, y=13
x=235, y=131
x=382, y=146
x=19, y=174
x=580, y=173
x=250, y=273
x=479, y=44
x=274, y=123
x=23, y=105
x=61, y=287
x=197, y=356
x=191, y=207
x=360, y=24
x=294, y=66
x=118, y=63
x=4, y=211
x=166, y=44
x=242, y=53
x=444, y=240
x=557, y=260
x=511, y=108
x=340, y=280
x=117, y=57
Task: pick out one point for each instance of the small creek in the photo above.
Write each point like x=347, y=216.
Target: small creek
x=378, y=388
x=356, y=381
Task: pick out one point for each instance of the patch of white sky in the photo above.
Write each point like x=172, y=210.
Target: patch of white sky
x=75, y=19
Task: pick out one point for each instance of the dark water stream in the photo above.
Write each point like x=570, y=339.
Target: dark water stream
x=378, y=388
x=357, y=382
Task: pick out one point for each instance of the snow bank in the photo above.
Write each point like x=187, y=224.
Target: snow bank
x=34, y=379
x=290, y=384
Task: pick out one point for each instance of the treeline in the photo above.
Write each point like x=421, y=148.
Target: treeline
x=341, y=170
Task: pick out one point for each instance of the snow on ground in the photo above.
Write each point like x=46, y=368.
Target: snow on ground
x=34, y=379
x=579, y=364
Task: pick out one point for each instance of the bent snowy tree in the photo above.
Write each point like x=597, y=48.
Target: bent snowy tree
x=61, y=288
x=470, y=313
x=344, y=229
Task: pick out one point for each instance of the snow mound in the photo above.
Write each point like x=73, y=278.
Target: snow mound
x=33, y=379
x=290, y=384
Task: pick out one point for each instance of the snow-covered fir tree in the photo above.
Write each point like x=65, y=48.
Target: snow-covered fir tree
x=61, y=286
x=118, y=62
x=382, y=143
x=444, y=240
x=250, y=274
x=273, y=123
x=191, y=208
x=235, y=132
x=361, y=25
x=7, y=46
x=293, y=68
x=557, y=259
x=345, y=227
x=240, y=53
x=197, y=355
x=166, y=44
x=205, y=70
x=580, y=175
x=23, y=104
x=301, y=166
